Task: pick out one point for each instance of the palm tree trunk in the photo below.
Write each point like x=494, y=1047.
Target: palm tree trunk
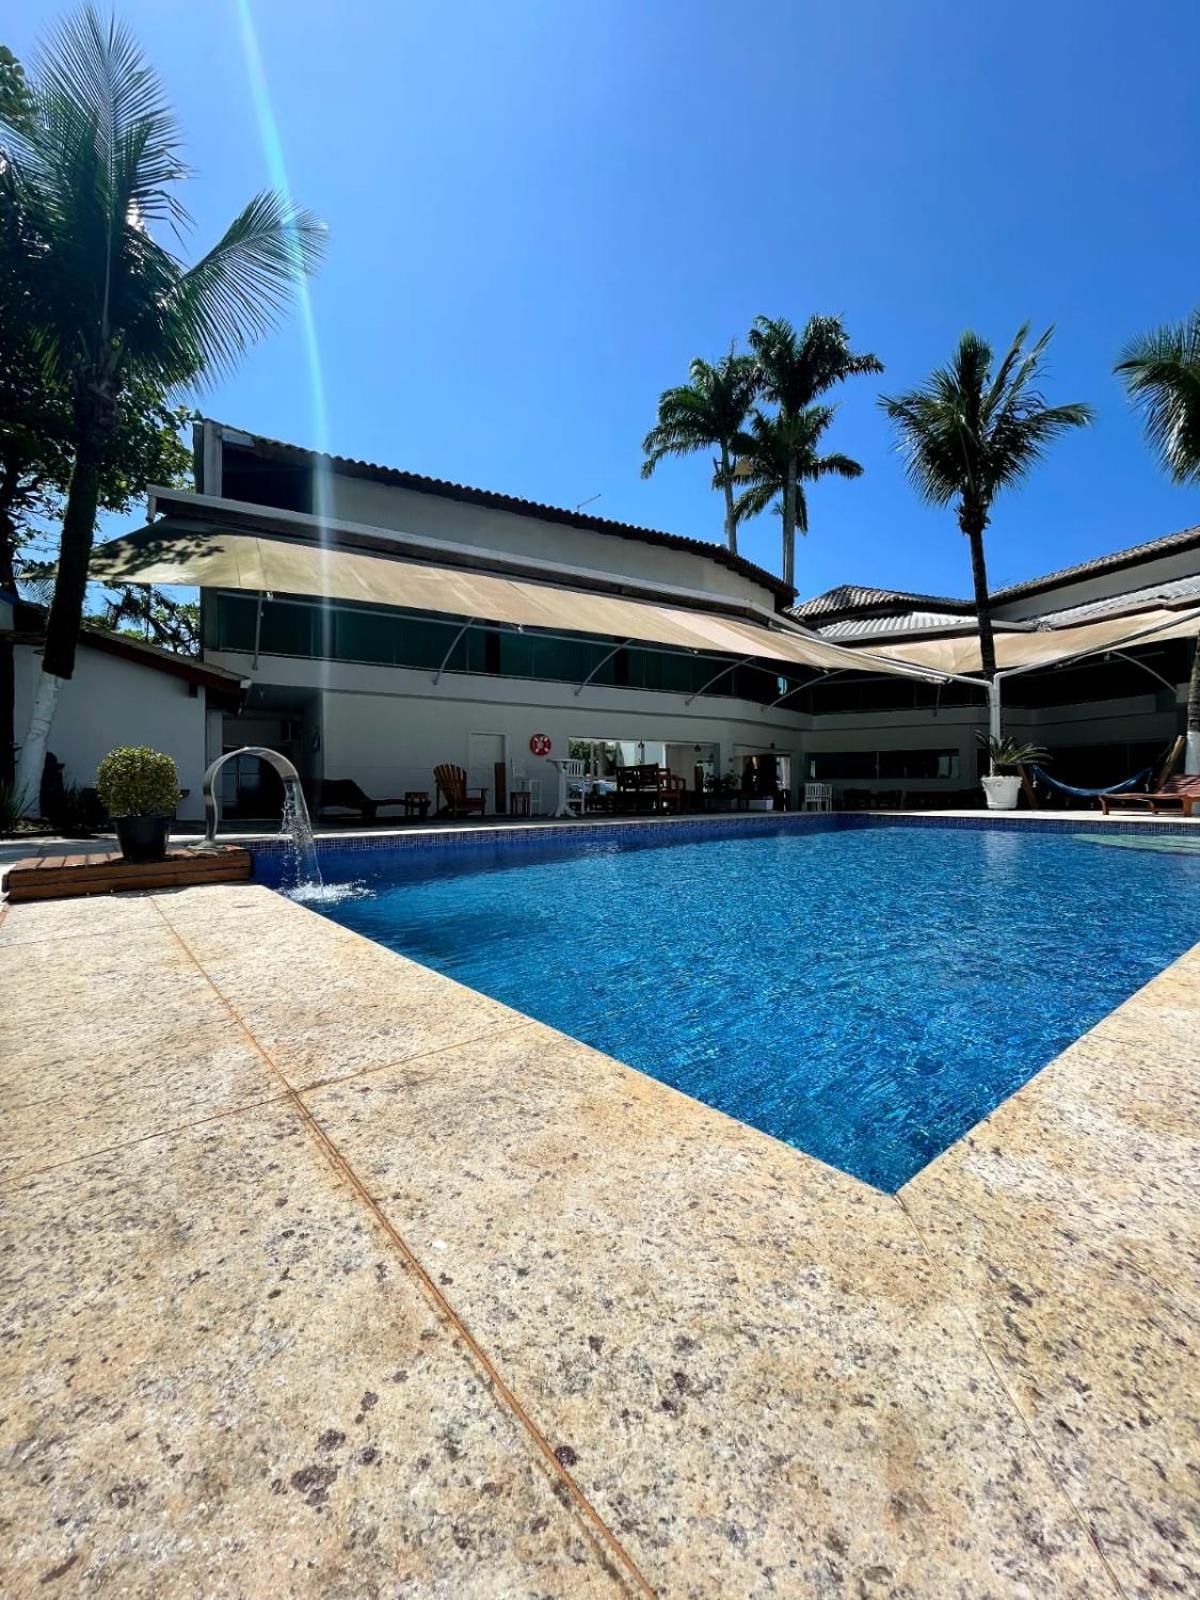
x=8, y=679
x=1191, y=755
x=8, y=686
x=730, y=513
x=789, y=523
x=973, y=521
x=96, y=414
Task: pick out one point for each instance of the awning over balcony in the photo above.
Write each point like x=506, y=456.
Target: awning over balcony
x=1047, y=647
x=181, y=552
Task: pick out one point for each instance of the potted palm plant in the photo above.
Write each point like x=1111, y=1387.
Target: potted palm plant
x=1005, y=759
x=139, y=788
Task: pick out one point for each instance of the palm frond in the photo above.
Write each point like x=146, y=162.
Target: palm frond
x=241, y=288
x=753, y=501
x=1161, y=370
x=795, y=369
x=97, y=70
x=764, y=451
x=968, y=431
x=836, y=465
x=704, y=413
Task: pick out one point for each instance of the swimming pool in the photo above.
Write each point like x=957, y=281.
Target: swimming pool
x=865, y=993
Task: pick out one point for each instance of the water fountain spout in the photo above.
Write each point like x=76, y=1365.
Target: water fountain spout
x=295, y=821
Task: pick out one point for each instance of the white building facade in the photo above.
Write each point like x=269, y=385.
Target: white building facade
x=381, y=624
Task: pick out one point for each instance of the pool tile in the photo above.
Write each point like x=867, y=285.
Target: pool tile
x=220, y=1379
x=754, y=1369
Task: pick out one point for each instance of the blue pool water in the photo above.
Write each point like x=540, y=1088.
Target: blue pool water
x=864, y=993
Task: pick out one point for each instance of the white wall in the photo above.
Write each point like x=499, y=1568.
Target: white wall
x=111, y=702
x=407, y=511
x=389, y=727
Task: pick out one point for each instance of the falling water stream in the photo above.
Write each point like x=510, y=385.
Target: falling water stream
x=302, y=878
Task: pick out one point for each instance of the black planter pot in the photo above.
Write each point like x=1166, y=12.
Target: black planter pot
x=143, y=838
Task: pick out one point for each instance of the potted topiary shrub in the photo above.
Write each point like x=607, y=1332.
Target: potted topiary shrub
x=139, y=788
x=1005, y=759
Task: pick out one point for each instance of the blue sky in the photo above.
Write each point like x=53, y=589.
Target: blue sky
x=540, y=210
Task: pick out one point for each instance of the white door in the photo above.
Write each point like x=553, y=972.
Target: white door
x=483, y=752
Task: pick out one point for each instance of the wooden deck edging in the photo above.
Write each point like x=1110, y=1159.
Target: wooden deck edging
x=64, y=876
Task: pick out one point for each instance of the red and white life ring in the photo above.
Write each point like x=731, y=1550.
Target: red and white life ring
x=539, y=744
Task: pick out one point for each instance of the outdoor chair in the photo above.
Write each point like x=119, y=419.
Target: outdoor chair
x=343, y=794
x=458, y=801
x=648, y=787
x=1176, y=794
x=575, y=772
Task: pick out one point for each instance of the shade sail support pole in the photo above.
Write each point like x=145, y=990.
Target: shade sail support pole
x=602, y=663
x=258, y=611
x=452, y=647
x=716, y=678
x=1134, y=662
x=995, y=718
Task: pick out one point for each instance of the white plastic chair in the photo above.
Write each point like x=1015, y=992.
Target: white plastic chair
x=818, y=797
x=576, y=775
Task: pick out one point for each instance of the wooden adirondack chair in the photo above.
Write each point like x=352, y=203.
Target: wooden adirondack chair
x=452, y=786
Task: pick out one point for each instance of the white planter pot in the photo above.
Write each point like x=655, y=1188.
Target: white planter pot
x=1002, y=792
x=761, y=802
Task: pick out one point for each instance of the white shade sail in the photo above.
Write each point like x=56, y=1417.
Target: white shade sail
x=171, y=552
x=1045, y=647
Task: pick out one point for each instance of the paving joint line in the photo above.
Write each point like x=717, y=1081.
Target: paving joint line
x=423, y=1055
x=606, y=1538
x=128, y=1144
x=977, y=1338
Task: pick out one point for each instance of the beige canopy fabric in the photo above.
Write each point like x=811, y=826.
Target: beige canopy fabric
x=179, y=553
x=1043, y=648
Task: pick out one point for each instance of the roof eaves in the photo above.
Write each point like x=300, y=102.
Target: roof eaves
x=1132, y=556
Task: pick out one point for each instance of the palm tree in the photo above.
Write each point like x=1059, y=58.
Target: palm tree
x=969, y=432
x=770, y=446
x=794, y=370
x=1161, y=370
x=94, y=161
x=705, y=413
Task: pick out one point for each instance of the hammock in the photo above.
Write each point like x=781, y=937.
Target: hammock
x=1093, y=794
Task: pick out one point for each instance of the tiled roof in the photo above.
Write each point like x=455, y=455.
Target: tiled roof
x=349, y=466
x=1172, y=592
x=850, y=597
x=894, y=609
x=30, y=628
x=1119, y=559
x=855, y=628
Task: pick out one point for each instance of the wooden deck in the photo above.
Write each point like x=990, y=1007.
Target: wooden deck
x=63, y=875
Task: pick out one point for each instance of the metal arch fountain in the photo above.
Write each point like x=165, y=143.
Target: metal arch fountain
x=295, y=821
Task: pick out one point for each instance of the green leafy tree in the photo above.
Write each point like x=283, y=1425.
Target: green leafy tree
x=36, y=423
x=95, y=166
x=776, y=445
x=973, y=429
x=16, y=102
x=795, y=368
x=706, y=413
x=1161, y=371
x=142, y=612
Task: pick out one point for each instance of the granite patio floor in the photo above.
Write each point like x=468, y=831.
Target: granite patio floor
x=323, y=1276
